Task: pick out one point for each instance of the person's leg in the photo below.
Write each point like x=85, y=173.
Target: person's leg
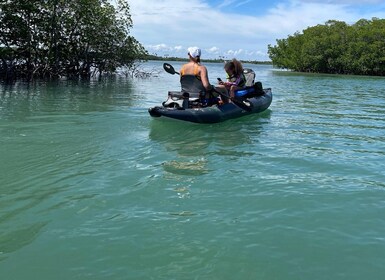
x=233, y=89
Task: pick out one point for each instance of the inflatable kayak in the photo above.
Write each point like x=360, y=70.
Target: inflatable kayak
x=195, y=112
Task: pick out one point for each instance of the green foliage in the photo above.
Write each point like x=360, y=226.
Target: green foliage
x=71, y=38
x=334, y=47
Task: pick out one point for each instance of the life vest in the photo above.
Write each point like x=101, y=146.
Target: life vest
x=239, y=81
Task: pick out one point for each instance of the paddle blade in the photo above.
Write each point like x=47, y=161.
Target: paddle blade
x=169, y=69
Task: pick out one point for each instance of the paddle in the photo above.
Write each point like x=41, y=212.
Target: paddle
x=239, y=103
x=170, y=69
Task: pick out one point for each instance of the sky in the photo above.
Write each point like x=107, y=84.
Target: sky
x=240, y=29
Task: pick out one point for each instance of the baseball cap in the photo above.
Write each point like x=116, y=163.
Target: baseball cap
x=194, y=52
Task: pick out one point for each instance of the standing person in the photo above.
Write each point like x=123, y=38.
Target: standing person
x=193, y=75
x=235, y=78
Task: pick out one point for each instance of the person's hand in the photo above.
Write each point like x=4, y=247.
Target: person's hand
x=211, y=89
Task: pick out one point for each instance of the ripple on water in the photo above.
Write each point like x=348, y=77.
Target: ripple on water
x=91, y=179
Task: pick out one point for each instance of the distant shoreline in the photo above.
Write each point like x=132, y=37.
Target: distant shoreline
x=159, y=58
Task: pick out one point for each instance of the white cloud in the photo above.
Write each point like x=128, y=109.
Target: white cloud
x=214, y=50
x=349, y=2
x=226, y=3
x=238, y=4
x=159, y=47
x=235, y=52
x=235, y=3
x=170, y=26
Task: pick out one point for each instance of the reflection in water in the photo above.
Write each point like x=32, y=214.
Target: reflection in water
x=193, y=143
x=22, y=100
x=14, y=240
x=193, y=167
x=196, y=139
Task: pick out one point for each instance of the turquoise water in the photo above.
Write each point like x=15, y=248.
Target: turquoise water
x=92, y=188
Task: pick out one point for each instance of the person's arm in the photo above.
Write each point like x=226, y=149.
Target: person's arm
x=181, y=71
x=205, y=78
x=235, y=83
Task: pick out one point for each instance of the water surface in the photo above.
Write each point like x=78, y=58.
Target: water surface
x=92, y=187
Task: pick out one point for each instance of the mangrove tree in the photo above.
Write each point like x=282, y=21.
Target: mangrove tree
x=65, y=38
x=334, y=47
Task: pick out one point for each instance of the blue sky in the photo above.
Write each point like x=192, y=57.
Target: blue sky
x=235, y=28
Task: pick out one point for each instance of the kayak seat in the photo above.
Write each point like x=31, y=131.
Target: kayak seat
x=192, y=85
x=175, y=99
x=250, y=76
x=249, y=92
x=175, y=95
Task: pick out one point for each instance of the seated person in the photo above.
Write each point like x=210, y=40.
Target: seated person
x=236, y=80
x=193, y=75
